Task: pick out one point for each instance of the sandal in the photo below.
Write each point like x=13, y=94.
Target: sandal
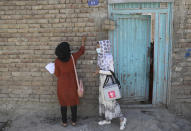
x=104, y=122
x=73, y=123
x=123, y=124
x=64, y=124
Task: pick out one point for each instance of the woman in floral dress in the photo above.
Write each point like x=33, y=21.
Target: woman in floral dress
x=110, y=109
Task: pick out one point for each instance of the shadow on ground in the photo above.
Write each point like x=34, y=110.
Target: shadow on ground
x=138, y=120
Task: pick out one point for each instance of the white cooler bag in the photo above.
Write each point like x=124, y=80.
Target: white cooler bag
x=111, y=90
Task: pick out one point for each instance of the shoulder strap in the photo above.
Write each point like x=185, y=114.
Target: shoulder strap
x=75, y=70
x=116, y=80
x=106, y=81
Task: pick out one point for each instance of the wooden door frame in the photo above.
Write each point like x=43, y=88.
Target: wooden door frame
x=157, y=12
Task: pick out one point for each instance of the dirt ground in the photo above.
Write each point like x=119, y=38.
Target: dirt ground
x=138, y=119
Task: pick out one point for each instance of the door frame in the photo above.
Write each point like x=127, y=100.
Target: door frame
x=165, y=98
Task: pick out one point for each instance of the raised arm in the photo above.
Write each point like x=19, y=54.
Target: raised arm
x=82, y=49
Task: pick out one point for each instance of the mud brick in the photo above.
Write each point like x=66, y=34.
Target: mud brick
x=31, y=30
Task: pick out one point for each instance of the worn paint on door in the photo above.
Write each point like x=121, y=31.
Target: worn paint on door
x=131, y=57
x=125, y=54
x=161, y=53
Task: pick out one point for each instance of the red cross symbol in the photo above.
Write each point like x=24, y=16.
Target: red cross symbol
x=111, y=94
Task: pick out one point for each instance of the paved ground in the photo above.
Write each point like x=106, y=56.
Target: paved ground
x=138, y=120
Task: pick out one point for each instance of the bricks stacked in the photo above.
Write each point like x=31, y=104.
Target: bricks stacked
x=29, y=32
x=108, y=25
x=181, y=63
x=31, y=29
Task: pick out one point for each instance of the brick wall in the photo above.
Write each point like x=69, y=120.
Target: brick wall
x=181, y=63
x=31, y=29
x=29, y=32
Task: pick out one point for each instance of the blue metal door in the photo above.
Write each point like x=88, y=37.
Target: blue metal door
x=131, y=42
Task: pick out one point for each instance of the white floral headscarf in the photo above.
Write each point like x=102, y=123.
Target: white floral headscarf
x=105, y=46
x=105, y=58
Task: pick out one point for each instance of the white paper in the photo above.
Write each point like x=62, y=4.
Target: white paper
x=50, y=67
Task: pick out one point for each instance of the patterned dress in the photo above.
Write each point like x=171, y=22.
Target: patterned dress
x=110, y=109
